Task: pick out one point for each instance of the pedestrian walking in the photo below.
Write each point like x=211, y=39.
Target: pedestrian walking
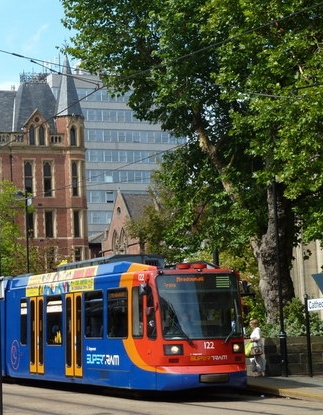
x=258, y=363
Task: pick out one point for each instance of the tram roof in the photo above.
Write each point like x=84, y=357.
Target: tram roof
x=148, y=259
x=73, y=276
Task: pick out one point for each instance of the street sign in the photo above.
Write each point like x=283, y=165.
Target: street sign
x=315, y=304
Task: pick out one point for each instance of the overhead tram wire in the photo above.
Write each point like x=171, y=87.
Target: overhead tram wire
x=198, y=51
x=58, y=113
x=214, y=45
x=44, y=65
x=120, y=169
x=79, y=100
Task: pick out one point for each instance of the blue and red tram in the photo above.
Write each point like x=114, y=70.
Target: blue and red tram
x=125, y=325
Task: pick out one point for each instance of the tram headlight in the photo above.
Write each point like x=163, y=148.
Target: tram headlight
x=173, y=349
x=238, y=347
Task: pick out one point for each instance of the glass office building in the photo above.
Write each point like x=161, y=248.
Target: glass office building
x=122, y=151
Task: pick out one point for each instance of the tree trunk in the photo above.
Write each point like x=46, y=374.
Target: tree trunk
x=274, y=254
x=273, y=250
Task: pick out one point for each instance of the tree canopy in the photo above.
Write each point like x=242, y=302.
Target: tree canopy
x=242, y=81
x=13, y=250
x=12, y=253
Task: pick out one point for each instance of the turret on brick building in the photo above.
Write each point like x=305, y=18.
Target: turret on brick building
x=42, y=153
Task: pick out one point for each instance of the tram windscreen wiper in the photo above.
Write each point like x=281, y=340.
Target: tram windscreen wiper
x=186, y=337
x=177, y=329
x=230, y=335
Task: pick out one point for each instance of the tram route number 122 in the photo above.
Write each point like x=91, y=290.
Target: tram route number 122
x=208, y=345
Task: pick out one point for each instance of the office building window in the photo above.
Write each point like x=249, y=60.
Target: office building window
x=131, y=136
x=99, y=217
x=110, y=197
x=96, y=196
x=122, y=176
x=123, y=156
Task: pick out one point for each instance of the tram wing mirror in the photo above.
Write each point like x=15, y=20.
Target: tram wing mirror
x=246, y=289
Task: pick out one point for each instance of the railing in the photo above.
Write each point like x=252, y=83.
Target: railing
x=15, y=138
x=11, y=138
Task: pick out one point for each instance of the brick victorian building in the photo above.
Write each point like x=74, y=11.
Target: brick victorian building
x=42, y=153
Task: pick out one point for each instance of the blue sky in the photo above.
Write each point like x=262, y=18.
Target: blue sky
x=31, y=28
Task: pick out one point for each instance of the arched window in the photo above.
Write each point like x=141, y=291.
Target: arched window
x=73, y=136
x=41, y=135
x=47, y=171
x=28, y=172
x=75, y=180
x=77, y=253
x=123, y=242
x=49, y=224
x=32, y=135
x=115, y=242
x=76, y=224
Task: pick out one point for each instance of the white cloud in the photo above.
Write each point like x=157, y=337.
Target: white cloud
x=33, y=41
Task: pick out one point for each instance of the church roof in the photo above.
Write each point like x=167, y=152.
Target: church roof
x=136, y=203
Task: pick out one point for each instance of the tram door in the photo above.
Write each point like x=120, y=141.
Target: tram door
x=37, y=335
x=73, y=327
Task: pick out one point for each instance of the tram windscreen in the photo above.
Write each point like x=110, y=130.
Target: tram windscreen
x=199, y=306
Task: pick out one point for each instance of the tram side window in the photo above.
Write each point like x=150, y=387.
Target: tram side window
x=118, y=313
x=94, y=314
x=137, y=315
x=151, y=318
x=23, y=322
x=54, y=320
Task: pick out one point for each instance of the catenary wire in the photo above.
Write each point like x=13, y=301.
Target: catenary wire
x=214, y=45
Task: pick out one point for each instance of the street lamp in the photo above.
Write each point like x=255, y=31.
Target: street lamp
x=282, y=333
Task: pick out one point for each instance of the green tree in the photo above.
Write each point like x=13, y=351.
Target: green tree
x=12, y=252
x=242, y=80
x=138, y=229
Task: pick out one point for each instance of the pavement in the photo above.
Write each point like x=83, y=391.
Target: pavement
x=296, y=387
